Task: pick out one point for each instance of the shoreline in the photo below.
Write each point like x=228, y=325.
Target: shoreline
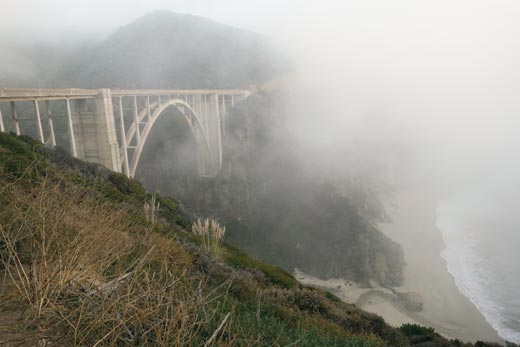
x=450, y=313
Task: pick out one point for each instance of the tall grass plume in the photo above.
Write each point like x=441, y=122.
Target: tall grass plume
x=211, y=234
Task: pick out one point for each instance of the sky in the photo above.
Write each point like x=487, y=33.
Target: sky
x=442, y=75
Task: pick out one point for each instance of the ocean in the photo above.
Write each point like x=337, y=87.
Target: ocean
x=481, y=232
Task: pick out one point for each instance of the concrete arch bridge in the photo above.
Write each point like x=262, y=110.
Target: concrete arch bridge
x=111, y=127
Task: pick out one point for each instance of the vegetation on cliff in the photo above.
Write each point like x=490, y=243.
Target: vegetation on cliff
x=83, y=264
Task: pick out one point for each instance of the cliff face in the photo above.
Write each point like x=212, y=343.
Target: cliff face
x=275, y=207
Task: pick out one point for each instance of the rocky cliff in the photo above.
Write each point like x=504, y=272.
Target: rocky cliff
x=273, y=204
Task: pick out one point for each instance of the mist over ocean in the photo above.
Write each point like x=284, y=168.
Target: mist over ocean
x=481, y=230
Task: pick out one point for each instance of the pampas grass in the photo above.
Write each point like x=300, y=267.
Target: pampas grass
x=211, y=234
x=151, y=210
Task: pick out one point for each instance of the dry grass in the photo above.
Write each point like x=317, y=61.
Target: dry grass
x=151, y=210
x=211, y=234
x=80, y=275
x=82, y=265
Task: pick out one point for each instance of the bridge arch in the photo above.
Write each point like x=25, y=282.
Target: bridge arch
x=196, y=126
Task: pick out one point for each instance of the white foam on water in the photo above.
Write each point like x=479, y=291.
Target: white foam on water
x=483, y=258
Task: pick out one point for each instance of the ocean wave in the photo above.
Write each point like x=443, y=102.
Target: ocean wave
x=475, y=269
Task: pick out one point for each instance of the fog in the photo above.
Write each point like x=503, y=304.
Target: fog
x=416, y=94
x=442, y=75
x=432, y=84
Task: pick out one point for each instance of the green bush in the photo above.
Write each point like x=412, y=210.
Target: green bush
x=415, y=329
x=242, y=260
x=18, y=158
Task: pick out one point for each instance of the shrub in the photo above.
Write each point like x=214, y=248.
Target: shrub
x=242, y=260
x=409, y=329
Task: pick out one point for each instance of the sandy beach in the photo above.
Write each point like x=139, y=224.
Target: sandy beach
x=444, y=308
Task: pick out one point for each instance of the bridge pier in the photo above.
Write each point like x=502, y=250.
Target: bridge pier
x=95, y=132
x=208, y=109
x=107, y=145
x=50, y=124
x=213, y=131
x=15, y=118
x=2, y=127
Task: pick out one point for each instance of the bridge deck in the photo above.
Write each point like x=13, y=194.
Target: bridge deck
x=99, y=132
x=21, y=94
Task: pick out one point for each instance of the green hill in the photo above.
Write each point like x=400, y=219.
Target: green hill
x=165, y=50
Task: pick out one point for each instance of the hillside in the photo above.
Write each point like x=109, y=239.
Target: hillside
x=273, y=205
x=166, y=50
x=84, y=264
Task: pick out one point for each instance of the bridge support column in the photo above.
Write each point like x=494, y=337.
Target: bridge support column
x=108, y=147
x=2, y=128
x=97, y=133
x=212, y=126
x=50, y=124
x=15, y=118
